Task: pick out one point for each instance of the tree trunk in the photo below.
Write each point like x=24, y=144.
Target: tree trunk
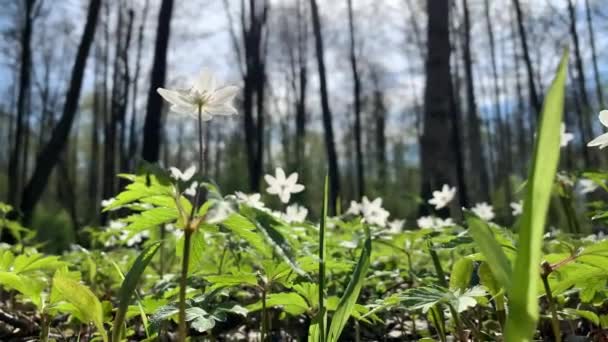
x=435, y=150
x=534, y=99
x=332, y=156
x=15, y=173
x=478, y=161
x=596, y=73
x=585, y=106
x=52, y=151
x=152, y=125
x=357, y=102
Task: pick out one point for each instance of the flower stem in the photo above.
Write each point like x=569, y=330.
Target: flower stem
x=200, y=140
x=264, y=313
x=182, y=285
x=554, y=319
x=44, y=329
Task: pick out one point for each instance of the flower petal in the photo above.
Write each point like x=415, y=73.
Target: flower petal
x=223, y=95
x=280, y=175
x=599, y=141
x=224, y=109
x=604, y=117
x=297, y=188
x=205, y=81
x=174, y=97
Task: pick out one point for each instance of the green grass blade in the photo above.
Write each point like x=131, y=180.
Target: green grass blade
x=523, y=293
x=490, y=248
x=128, y=288
x=349, y=298
x=316, y=331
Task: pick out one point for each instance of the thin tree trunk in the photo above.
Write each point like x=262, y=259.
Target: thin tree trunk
x=534, y=99
x=332, y=156
x=52, y=151
x=153, y=122
x=596, y=73
x=15, y=173
x=357, y=103
x=477, y=159
x=585, y=106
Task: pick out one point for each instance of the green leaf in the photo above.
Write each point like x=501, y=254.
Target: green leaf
x=349, y=298
x=150, y=218
x=461, y=274
x=292, y=303
x=229, y=280
x=523, y=290
x=246, y=230
x=490, y=248
x=87, y=306
x=128, y=288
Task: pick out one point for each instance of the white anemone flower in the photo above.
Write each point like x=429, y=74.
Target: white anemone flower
x=517, y=208
x=373, y=213
x=484, y=211
x=295, y=214
x=185, y=176
x=355, y=208
x=442, y=198
x=252, y=200
x=395, y=226
x=425, y=222
x=204, y=96
x=587, y=186
x=107, y=202
x=444, y=223
x=602, y=140
x=283, y=186
x=191, y=191
x=565, y=137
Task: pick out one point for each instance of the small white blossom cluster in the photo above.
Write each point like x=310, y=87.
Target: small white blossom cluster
x=432, y=222
x=602, y=140
x=122, y=236
x=372, y=211
x=484, y=211
x=441, y=198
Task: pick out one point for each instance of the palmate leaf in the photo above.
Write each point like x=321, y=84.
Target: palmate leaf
x=128, y=287
x=290, y=302
x=247, y=231
x=86, y=304
x=425, y=298
x=349, y=298
x=523, y=290
x=150, y=218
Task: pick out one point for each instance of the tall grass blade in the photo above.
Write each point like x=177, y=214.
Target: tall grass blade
x=128, y=288
x=523, y=292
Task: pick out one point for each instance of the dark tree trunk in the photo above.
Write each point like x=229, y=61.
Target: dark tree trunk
x=596, y=73
x=534, y=99
x=93, y=189
x=133, y=124
x=478, y=160
x=357, y=102
x=332, y=156
x=15, y=173
x=53, y=149
x=586, y=130
x=153, y=122
x=379, y=114
x=435, y=150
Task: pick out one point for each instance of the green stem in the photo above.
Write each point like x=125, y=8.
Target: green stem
x=322, y=264
x=458, y=325
x=554, y=319
x=264, y=313
x=183, y=284
x=44, y=328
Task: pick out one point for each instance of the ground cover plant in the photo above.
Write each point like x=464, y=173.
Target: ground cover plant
x=180, y=259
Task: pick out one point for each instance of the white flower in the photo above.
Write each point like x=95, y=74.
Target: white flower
x=252, y=200
x=354, y=209
x=184, y=176
x=117, y=225
x=587, y=186
x=135, y=239
x=295, y=213
x=443, y=223
x=395, y=226
x=283, y=186
x=191, y=191
x=602, y=140
x=484, y=211
x=563, y=178
x=107, y=202
x=442, y=198
x=426, y=222
x=517, y=208
x=203, y=95
x=348, y=244
x=565, y=137
x=218, y=212
x=373, y=213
